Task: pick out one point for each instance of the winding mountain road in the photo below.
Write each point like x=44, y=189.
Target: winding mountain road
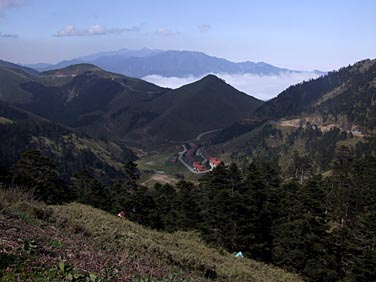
x=198, y=152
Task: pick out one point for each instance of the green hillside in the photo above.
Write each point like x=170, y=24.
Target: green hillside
x=307, y=124
x=19, y=68
x=300, y=151
x=10, y=86
x=207, y=104
x=69, y=149
x=346, y=96
x=82, y=96
x=53, y=243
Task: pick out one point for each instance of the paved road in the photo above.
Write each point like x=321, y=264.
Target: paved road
x=206, y=133
x=195, y=139
x=181, y=154
x=198, y=152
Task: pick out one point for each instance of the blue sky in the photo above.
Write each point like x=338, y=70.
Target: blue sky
x=302, y=35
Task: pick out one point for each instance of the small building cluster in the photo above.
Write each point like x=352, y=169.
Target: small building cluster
x=213, y=162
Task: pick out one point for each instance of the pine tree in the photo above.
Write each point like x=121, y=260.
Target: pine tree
x=91, y=191
x=37, y=172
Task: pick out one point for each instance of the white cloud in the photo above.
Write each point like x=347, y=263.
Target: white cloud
x=204, y=28
x=170, y=82
x=8, y=35
x=166, y=32
x=71, y=30
x=263, y=87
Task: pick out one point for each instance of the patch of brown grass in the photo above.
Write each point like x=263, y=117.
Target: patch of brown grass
x=10, y=195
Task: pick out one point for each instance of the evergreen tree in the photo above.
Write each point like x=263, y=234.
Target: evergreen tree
x=165, y=199
x=133, y=198
x=37, y=173
x=188, y=209
x=91, y=191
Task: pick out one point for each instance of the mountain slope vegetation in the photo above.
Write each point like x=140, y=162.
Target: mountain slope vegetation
x=70, y=149
x=204, y=105
x=10, y=85
x=305, y=126
x=101, y=103
x=345, y=96
x=58, y=242
x=24, y=69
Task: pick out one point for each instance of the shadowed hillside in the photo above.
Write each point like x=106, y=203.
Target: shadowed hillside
x=204, y=105
x=101, y=103
x=68, y=148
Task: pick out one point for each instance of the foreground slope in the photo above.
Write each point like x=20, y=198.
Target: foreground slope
x=115, y=249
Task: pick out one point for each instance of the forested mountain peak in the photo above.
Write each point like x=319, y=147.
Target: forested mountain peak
x=74, y=70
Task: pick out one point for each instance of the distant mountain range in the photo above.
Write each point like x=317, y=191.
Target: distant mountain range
x=144, y=62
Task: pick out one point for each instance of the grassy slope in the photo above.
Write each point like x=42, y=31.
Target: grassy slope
x=35, y=237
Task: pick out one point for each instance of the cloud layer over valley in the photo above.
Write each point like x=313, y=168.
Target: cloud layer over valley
x=263, y=87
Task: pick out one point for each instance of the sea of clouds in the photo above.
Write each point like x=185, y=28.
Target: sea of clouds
x=263, y=87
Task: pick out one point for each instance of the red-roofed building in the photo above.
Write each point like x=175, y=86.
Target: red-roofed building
x=213, y=162
x=198, y=167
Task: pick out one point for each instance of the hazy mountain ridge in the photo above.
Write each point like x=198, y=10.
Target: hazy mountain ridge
x=170, y=63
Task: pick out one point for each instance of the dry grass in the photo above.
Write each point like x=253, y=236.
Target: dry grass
x=10, y=195
x=183, y=249
x=114, y=248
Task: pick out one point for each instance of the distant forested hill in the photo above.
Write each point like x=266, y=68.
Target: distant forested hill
x=345, y=96
x=70, y=150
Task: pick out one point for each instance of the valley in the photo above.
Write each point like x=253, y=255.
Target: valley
x=187, y=141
